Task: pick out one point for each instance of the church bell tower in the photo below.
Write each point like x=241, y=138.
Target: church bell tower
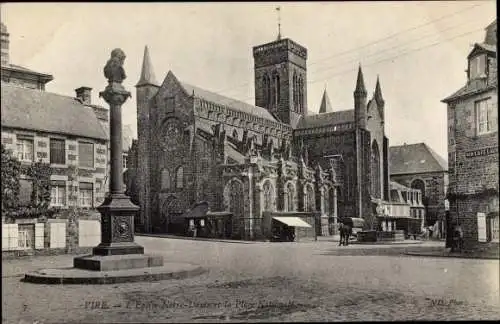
x=281, y=79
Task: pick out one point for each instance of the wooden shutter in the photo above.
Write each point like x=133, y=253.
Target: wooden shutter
x=39, y=235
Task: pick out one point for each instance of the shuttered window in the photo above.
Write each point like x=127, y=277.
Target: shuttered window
x=484, y=117
x=57, y=151
x=477, y=67
x=86, y=154
x=24, y=148
x=58, y=193
x=86, y=194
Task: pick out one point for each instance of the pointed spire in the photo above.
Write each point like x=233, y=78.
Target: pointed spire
x=278, y=9
x=360, y=83
x=147, y=72
x=325, y=106
x=378, y=93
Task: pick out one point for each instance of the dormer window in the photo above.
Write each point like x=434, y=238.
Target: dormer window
x=477, y=67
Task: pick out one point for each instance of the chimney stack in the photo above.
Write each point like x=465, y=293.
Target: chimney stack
x=84, y=94
x=4, y=44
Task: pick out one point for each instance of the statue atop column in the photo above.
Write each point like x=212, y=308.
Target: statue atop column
x=114, y=72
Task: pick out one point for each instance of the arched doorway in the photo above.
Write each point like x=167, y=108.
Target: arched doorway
x=268, y=195
x=375, y=171
x=171, y=210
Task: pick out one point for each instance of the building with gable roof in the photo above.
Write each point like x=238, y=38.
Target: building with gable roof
x=473, y=145
x=418, y=166
x=69, y=133
x=195, y=145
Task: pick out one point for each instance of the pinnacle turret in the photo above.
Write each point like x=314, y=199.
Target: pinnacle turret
x=325, y=106
x=378, y=93
x=360, y=83
x=147, y=72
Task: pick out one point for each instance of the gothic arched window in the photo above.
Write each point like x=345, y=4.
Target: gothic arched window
x=375, y=170
x=290, y=197
x=165, y=179
x=235, y=134
x=295, y=91
x=179, y=178
x=266, y=88
x=268, y=196
x=276, y=89
x=331, y=200
x=301, y=94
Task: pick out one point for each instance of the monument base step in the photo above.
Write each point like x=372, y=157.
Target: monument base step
x=117, y=262
x=79, y=276
x=119, y=248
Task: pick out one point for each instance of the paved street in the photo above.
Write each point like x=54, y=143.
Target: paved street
x=267, y=282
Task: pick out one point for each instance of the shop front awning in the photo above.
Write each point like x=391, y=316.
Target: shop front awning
x=292, y=221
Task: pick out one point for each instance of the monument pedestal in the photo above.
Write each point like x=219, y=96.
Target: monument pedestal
x=117, y=250
x=117, y=262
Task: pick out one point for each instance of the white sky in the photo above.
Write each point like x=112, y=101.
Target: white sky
x=210, y=45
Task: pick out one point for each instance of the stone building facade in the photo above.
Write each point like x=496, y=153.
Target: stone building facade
x=69, y=133
x=473, y=145
x=419, y=166
x=194, y=145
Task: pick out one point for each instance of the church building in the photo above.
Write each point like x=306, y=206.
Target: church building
x=199, y=146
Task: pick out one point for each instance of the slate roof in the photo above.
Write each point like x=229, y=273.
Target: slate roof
x=397, y=186
x=39, y=110
x=26, y=70
x=415, y=158
x=233, y=104
x=472, y=87
x=233, y=153
x=326, y=119
x=475, y=86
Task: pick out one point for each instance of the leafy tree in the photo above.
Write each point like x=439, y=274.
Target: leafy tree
x=11, y=170
x=40, y=173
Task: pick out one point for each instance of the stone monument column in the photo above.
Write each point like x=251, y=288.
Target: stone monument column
x=117, y=211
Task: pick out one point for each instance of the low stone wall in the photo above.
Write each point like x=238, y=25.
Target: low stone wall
x=392, y=236
x=77, y=234
x=366, y=236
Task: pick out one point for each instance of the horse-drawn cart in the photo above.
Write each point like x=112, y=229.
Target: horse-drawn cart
x=349, y=227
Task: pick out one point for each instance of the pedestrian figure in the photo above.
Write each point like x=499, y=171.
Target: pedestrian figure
x=341, y=225
x=345, y=233
x=457, y=239
x=195, y=230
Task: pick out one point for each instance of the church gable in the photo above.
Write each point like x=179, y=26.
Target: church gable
x=373, y=110
x=172, y=98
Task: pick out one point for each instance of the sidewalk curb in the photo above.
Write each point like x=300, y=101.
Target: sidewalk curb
x=175, y=237
x=448, y=255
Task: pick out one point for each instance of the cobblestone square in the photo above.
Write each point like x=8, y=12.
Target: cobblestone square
x=278, y=282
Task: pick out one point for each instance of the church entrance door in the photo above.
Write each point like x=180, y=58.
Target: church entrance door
x=236, y=208
x=170, y=213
